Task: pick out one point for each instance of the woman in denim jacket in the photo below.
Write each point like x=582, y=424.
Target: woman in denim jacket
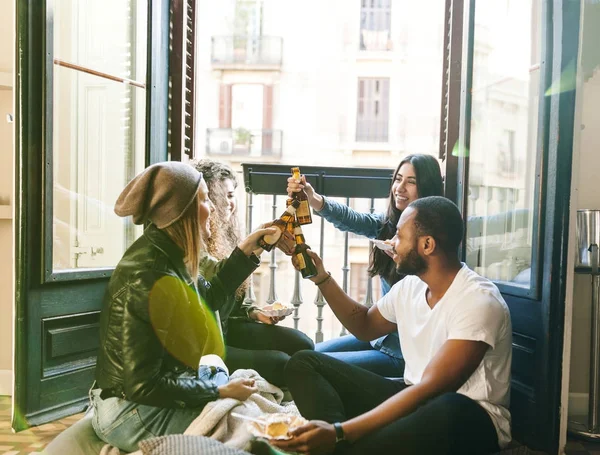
x=416, y=176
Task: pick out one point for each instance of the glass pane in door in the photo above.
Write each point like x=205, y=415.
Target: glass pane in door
x=98, y=127
x=503, y=142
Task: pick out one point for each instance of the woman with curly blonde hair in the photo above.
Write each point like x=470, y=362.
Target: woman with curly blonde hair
x=252, y=339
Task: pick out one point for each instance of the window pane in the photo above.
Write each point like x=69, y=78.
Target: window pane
x=372, y=113
x=375, y=24
x=98, y=129
x=103, y=35
x=504, y=124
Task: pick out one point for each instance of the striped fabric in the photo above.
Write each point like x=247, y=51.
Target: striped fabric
x=186, y=445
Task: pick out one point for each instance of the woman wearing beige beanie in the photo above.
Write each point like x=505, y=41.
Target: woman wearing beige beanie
x=156, y=321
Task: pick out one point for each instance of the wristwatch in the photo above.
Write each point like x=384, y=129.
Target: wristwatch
x=340, y=438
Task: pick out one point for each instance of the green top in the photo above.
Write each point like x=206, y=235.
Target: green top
x=233, y=307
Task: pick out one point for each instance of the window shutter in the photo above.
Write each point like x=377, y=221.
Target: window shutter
x=225, y=106
x=268, y=107
x=451, y=79
x=267, y=132
x=451, y=94
x=384, y=115
x=182, y=72
x=372, y=113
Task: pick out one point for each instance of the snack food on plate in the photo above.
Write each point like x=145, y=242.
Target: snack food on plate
x=276, y=429
x=277, y=309
x=276, y=426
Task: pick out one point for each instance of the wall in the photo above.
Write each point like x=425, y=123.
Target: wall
x=6, y=194
x=589, y=169
x=585, y=196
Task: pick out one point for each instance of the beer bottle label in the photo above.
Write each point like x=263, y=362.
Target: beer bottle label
x=301, y=262
x=303, y=210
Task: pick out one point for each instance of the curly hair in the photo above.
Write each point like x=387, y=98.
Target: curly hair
x=225, y=233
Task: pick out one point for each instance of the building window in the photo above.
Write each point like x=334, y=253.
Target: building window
x=245, y=122
x=372, y=114
x=375, y=20
x=359, y=280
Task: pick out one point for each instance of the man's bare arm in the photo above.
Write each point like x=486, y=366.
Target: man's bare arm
x=364, y=323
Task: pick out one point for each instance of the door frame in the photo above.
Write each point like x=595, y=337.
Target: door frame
x=33, y=154
x=544, y=308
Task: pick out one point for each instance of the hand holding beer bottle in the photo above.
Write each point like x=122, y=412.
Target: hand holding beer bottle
x=287, y=218
x=303, y=214
x=299, y=184
x=305, y=263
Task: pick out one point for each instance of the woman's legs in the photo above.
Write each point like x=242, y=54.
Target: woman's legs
x=124, y=424
x=347, y=343
x=264, y=348
x=253, y=335
x=359, y=353
x=267, y=362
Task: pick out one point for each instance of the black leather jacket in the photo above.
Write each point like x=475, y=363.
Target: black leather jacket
x=154, y=328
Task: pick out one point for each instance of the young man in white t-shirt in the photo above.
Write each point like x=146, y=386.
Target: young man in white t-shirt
x=456, y=336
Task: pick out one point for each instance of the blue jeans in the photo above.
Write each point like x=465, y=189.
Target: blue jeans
x=351, y=350
x=124, y=424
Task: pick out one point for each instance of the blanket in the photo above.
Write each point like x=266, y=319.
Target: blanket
x=215, y=420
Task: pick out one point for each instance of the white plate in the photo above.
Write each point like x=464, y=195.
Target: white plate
x=268, y=310
x=382, y=245
x=258, y=430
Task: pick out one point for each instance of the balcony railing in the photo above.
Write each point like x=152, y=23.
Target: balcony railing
x=496, y=218
x=243, y=142
x=247, y=52
x=269, y=181
x=375, y=40
x=500, y=233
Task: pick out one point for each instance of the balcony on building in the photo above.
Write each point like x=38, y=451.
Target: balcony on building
x=263, y=143
x=247, y=52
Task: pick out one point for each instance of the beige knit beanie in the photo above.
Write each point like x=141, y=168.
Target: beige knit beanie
x=161, y=193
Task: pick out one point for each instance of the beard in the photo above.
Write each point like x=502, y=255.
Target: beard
x=412, y=264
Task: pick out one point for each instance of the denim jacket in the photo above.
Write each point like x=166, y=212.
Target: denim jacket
x=368, y=224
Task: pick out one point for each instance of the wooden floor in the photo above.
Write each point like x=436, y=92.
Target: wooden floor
x=29, y=441
x=34, y=440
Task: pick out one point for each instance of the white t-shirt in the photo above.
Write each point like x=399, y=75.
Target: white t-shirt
x=471, y=309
